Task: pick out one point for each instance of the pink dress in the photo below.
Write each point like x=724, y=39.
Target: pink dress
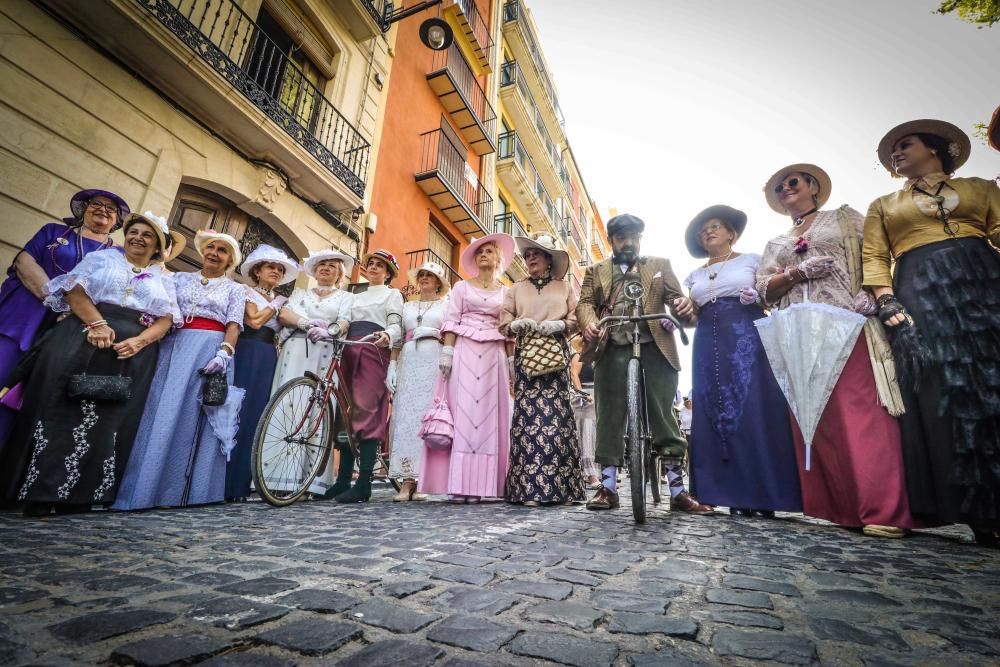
x=478, y=396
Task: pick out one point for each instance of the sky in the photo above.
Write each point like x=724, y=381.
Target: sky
x=674, y=106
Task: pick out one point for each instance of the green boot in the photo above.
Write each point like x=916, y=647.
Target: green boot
x=344, y=472
x=362, y=489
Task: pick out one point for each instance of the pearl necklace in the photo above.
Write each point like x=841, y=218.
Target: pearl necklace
x=202, y=295
x=713, y=276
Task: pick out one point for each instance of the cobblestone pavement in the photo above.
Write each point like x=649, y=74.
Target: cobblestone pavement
x=438, y=584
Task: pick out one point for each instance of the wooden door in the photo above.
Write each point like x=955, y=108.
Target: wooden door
x=196, y=209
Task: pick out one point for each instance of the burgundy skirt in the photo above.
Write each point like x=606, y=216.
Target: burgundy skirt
x=857, y=476
x=364, y=371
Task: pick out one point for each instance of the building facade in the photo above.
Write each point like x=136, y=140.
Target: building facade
x=259, y=118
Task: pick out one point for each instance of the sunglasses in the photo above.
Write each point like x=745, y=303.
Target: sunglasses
x=791, y=182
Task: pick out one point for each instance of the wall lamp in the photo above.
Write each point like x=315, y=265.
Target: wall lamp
x=435, y=33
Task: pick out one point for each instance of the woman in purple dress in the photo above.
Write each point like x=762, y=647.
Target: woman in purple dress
x=53, y=251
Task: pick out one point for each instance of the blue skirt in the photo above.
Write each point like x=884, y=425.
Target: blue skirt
x=741, y=442
x=255, y=362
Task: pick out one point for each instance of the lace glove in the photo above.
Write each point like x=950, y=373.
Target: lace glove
x=218, y=364
x=307, y=324
x=445, y=360
x=551, y=327
x=816, y=267
x=888, y=307
x=864, y=304
x=668, y=325
x=317, y=334
x=278, y=303
x=523, y=326
x=390, y=377
x=749, y=296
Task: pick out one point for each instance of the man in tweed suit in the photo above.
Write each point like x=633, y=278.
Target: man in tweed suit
x=602, y=284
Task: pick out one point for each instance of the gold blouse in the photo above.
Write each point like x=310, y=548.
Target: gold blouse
x=899, y=222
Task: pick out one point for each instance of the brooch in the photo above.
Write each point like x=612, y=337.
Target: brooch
x=801, y=245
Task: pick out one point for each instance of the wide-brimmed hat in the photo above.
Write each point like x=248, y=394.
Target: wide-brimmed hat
x=504, y=241
x=959, y=145
x=168, y=249
x=547, y=244
x=317, y=256
x=386, y=258
x=993, y=132
x=733, y=217
x=821, y=177
x=268, y=254
x=436, y=269
x=78, y=204
x=205, y=236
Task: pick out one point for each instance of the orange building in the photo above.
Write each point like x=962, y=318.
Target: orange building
x=434, y=174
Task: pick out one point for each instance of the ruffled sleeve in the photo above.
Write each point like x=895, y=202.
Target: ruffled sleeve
x=86, y=274
x=236, y=304
x=767, y=269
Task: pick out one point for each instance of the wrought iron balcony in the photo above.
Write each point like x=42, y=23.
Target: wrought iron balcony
x=474, y=28
x=227, y=39
x=515, y=24
x=418, y=257
x=462, y=96
x=445, y=177
x=509, y=223
x=516, y=168
x=521, y=104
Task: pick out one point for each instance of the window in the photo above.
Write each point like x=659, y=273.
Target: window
x=440, y=244
x=503, y=223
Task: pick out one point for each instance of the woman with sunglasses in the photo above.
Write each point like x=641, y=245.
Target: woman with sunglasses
x=856, y=473
x=942, y=305
x=53, y=251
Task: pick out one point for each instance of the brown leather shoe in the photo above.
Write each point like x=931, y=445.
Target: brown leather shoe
x=603, y=500
x=685, y=502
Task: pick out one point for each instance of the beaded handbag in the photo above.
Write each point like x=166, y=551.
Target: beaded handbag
x=110, y=388
x=214, y=389
x=541, y=355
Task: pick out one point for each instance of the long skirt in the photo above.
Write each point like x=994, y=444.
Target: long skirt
x=479, y=397
x=857, y=476
x=951, y=429
x=254, y=371
x=741, y=442
x=417, y=373
x=73, y=451
x=364, y=372
x=177, y=459
x=544, y=449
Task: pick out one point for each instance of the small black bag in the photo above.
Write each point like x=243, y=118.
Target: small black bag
x=110, y=388
x=214, y=389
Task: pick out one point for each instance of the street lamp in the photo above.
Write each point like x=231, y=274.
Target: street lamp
x=435, y=33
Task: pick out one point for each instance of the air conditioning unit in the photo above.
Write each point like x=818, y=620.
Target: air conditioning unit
x=369, y=221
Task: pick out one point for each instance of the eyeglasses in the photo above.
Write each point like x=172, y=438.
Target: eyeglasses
x=710, y=229
x=791, y=182
x=533, y=252
x=425, y=274
x=97, y=206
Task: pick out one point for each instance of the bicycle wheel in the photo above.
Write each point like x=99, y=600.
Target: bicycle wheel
x=634, y=442
x=286, y=458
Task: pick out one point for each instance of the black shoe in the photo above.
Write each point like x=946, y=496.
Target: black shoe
x=763, y=514
x=71, y=509
x=344, y=473
x=36, y=510
x=361, y=492
x=739, y=511
x=987, y=538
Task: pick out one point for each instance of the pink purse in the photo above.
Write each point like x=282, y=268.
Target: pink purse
x=437, y=428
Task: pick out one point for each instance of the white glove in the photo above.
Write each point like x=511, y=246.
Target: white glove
x=551, y=327
x=445, y=360
x=317, y=334
x=748, y=296
x=816, y=267
x=390, y=377
x=668, y=325
x=307, y=324
x=278, y=303
x=218, y=364
x=523, y=326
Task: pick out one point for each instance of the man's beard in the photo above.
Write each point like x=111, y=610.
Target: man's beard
x=626, y=255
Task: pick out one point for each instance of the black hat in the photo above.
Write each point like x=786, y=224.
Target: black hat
x=733, y=217
x=623, y=222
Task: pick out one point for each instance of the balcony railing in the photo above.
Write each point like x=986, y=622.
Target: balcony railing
x=510, y=75
x=227, y=39
x=510, y=146
x=377, y=10
x=514, y=12
x=457, y=86
x=444, y=177
x=509, y=223
x=477, y=29
x=418, y=257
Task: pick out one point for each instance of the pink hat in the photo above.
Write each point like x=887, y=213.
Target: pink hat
x=504, y=241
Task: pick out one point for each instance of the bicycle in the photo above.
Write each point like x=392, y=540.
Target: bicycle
x=296, y=432
x=644, y=461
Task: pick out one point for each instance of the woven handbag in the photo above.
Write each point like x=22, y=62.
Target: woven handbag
x=541, y=355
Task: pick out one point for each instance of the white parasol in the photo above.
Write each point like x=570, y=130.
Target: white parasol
x=808, y=345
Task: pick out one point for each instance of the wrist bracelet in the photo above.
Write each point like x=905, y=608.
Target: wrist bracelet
x=94, y=325
x=232, y=350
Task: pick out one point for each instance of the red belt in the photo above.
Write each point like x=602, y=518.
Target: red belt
x=204, y=324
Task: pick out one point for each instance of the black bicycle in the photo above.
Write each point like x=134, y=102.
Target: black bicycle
x=644, y=462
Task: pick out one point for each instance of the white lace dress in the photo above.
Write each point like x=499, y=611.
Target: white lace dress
x=417, y=372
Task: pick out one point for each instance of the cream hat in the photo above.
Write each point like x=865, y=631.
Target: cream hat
x=264, y=254
x=959, y=146
x=547, y=244
x=317, y=256
x=205, y=236
x=437, y=270
x=159, y=224
x=822, y=178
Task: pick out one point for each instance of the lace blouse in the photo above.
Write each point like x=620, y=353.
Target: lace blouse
x=423, y=319
x=730, y=277
x=222, y=299
x=259, y=300
x=107, y=277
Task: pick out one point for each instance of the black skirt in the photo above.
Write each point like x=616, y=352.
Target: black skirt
x=71, y=451
x=951, y=429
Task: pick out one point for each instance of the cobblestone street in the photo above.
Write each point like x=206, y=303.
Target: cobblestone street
x=439, y=584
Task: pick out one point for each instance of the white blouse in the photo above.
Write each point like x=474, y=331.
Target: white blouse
x=222, y=299
x=423, y=319
x=334, y=307
x=107, y=277
x=259, y=300
x=380, y=305
x=730, y=277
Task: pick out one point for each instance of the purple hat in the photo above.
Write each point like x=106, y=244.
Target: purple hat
x=78, y=204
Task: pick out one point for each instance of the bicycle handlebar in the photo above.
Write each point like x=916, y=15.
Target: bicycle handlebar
x=618, y=320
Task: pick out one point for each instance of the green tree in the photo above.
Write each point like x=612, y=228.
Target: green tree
x=978, y=12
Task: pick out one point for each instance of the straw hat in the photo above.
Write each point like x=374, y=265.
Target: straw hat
x=993, y=133
x=735, y=218
x=437, y=270
x=264, y=254
x=386, y=258
x=821, y=177
x=959, y=146
x=168, y=248
x=205, y=236
x=317, y=256
x=78, y=204
x=547, y=244
x=505, y=243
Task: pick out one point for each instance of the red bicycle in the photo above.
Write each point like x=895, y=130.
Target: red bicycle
x=297, y=430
